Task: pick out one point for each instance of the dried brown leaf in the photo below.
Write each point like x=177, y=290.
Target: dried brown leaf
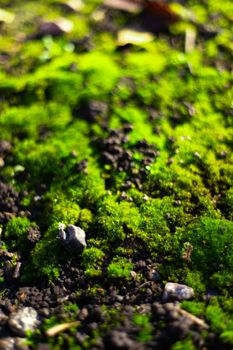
x=161, y=11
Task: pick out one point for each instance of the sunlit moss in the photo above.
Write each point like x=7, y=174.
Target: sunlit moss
x=119, y=268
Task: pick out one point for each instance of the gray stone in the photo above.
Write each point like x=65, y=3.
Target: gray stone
x=23, y=320
x=177, y=291
x=72, y=237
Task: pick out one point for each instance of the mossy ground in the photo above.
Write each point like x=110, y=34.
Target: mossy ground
x=177, y=211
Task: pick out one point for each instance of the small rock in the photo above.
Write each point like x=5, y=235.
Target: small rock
x=73, y=154
x=170, y=307
x=93, y=326
x=7, y=306
x=73, y=239
x=118, y=340
x=80, y=337
x=20, y=344
x=5, y=147
x=172, y=310
x=73, y=5
x=133, y=274
x=33, y=234
x=81, y=166
x=153, y=275
x=158, y=310
x=144, y=308
x=3, y=318
x=145, y=197
x=37, y=199
x=197, y=155
x=42, y=346
x=5, y=253
x=223, y=154
x=45, y=312
x=7, y=343
x=177, y=291
x=83, y=314
x=16, y=273
x=23, y=320
x=119, y=298
x=55, y=28
x=141, y=264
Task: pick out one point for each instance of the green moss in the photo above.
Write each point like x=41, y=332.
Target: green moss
x=120, y=268
x=85, y=219
x=196, y=279
x=194, y=307
x=117, y=220
x=101, y=74
x=227, y=203
x=220, y=321
x=146, y=329
x=64, y=211
x=211, y=254
x=16, y=232
x=92, y=259
x=46, y=256
x=184, y=345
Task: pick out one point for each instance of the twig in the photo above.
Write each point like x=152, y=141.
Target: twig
x=53, y=331
x=194, y=319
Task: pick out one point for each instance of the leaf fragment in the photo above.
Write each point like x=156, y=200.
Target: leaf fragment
x=133, y=36
x=6, y=16
x=124, y=5
x=190, y=38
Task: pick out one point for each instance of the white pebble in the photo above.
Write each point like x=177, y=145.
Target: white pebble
x=177, y=291
x=23, y=320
